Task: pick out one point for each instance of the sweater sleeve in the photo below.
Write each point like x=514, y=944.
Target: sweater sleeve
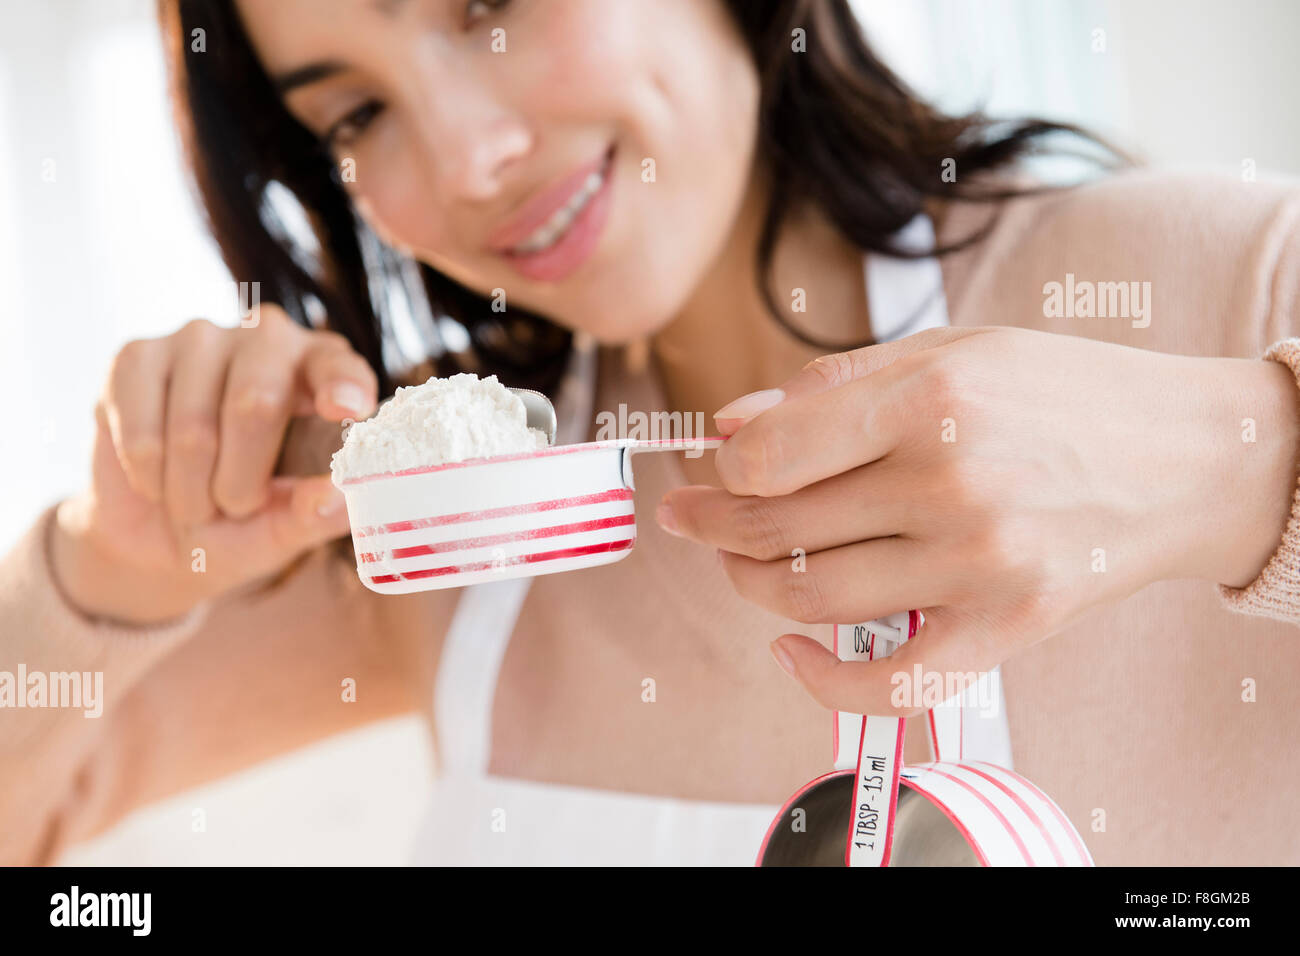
x=1221, y=258
x=45, y=645
x=1275, y=592
x=43, y=633
x=251, y=675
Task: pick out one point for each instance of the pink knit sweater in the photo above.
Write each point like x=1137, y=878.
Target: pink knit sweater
x=1276, y=592
x=1135, y=716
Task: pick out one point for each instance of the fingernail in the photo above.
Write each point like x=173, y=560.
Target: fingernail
x=782, y=658
x=747, y=406
x=329, y=504
x=350, y=396
x=664, y=515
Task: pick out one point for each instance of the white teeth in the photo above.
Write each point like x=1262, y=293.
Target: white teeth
x=551, y=231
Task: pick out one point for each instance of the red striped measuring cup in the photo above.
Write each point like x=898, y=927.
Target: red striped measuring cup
x=947, y=812
x=539, y=512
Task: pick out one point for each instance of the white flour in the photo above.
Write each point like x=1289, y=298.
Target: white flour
x=443, y=420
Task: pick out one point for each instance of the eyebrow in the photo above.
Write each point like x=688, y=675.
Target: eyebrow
x=324, y=69
x=389, y=8
x=304, y=75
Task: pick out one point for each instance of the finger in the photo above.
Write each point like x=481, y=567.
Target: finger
x=299, y=514
x=111, y=485
x=857, y=582
x=340, y=382
x=829, y=430
x=134, y=405
x=272, y=330
x=948, y=654
x=864, y=503
x=808, y=439
x=193, y=426
x=255, y=410
x=731, y=416
x=831, y=371
x=839, y=412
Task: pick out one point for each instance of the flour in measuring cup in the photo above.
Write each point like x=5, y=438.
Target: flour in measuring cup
x=441, y=421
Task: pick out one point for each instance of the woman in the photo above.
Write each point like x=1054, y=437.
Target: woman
x=984, y=428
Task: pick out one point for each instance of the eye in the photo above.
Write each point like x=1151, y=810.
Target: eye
x=476, y=10
x=349, y=129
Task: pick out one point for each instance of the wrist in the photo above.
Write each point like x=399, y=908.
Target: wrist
x=99, y=584
x=1253, y=445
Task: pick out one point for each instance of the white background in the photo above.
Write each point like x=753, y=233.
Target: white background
x=112, y=250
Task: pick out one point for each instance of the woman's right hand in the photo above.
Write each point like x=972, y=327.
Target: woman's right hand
x=184, y=503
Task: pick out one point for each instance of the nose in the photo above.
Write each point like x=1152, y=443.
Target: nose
x=470, y=134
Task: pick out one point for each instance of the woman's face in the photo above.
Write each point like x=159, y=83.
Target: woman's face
x=588, y=157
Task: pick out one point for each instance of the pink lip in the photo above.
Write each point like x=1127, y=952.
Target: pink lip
x=578, y=243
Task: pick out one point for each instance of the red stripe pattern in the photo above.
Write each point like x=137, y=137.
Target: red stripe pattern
x=588, y=529
x=614, y=494
x=484, y=565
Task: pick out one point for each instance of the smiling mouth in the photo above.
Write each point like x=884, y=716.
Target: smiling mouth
x=575, y=214
x=559, y=223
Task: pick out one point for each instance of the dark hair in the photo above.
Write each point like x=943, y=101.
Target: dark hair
x=837, y=128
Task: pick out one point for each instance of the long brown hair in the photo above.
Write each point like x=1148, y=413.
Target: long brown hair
x=836, y=126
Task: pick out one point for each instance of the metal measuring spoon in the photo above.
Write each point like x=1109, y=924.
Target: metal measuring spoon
x=540, y=411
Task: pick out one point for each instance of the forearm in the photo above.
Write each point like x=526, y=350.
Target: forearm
x=1246, y=438
x=62, y=673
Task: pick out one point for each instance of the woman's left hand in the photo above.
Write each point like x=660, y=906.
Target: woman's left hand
x=1001, y=480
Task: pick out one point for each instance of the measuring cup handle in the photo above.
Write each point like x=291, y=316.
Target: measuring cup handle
x=631, y=446
x=879, y=758
x=851, y=645
x=673, y=444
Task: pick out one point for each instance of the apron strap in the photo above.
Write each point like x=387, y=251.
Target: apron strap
x=466, y=685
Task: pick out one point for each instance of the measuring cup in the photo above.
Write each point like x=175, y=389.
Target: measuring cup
x=539, y=512
x=946, y=812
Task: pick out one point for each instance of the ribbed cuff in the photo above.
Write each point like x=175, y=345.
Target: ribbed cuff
x=60, y=622
x=1276, y=592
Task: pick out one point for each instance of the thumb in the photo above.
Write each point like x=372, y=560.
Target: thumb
x=855, y=687
x=301, y=513
x=941, y=654
x=831, y=371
